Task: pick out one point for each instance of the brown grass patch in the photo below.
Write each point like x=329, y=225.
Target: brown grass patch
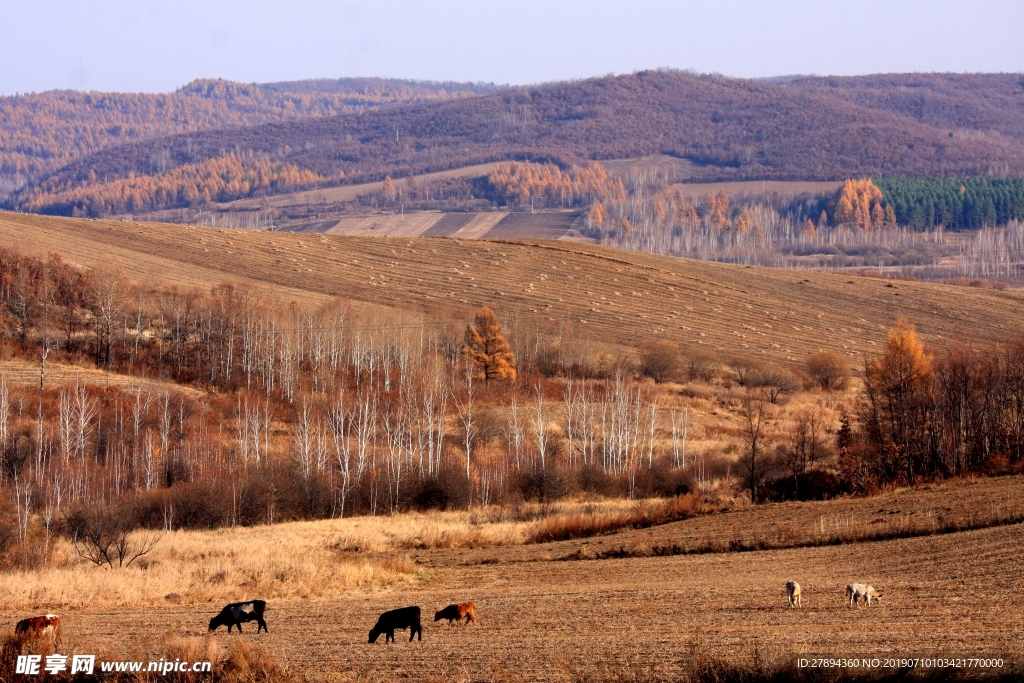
x=645, y=514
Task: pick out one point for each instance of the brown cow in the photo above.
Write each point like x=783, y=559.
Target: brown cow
x=44, y=626
x=463, y=610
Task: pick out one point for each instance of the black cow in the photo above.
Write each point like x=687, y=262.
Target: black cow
x=238, y=613
x=401, y=619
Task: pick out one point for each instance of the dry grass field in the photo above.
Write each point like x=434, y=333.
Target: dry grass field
x=606, y=295
x=758, y=188
x=642, y=619
x=23, y=373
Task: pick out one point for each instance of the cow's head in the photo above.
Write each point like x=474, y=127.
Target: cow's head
x=374, y=635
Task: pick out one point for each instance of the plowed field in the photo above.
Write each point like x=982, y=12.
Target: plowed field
x=949, y=595
x=952, y=594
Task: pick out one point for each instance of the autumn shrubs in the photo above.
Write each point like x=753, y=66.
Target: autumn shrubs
x=828, y=371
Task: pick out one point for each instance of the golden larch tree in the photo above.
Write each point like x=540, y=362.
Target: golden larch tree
x=486, y=346
x=860, y=204
x=388, y=190
x=596, y=215
x=897, y=387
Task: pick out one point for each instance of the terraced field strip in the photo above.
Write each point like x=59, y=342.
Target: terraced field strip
x=479, y=225
x=387, y=225
x=311, y=228
x=450, y=224
x=544, y=225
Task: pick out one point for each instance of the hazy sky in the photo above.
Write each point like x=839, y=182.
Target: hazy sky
x=159, y=46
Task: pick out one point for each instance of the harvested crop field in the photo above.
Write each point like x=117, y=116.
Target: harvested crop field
x=610, y=296
x=487, y=225
x=600, y=618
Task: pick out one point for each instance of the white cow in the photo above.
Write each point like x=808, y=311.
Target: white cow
x=793, y=593
x=861, y=591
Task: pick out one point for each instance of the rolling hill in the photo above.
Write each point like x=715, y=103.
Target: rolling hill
x=41, y=132
x=605, y=295
x=730, y=129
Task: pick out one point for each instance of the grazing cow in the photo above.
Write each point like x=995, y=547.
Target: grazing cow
x=238, y=613
x=861, y=591
x=45, y=626
x=401, y=619
x=463, y=610
x=793, y=593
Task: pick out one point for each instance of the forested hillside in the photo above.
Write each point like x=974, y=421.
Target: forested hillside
x=41, y=132
x=974, y=106
x=731, y=128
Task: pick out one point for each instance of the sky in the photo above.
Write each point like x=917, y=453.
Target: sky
x=159, y=46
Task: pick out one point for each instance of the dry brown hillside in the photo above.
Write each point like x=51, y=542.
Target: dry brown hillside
x=608, y=295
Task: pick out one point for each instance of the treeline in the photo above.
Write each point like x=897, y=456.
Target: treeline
x=41, y=132
x=523, y=185
x=856, y=227
x=220, y=179
x=924, y=416
x=730, y=128
x=955, y=203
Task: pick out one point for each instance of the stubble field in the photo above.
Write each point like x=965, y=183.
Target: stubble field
x=641, y=618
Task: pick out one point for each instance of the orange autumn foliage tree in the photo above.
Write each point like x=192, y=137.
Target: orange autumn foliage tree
x=387, y=190
x=486, y=347
x=860, y=204
x=717, y=207
x=897, y=385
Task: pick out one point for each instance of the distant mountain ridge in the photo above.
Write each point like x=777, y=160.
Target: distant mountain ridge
x=798, y=128
x=41, y=132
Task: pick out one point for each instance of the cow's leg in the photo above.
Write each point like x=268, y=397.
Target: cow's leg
x=261, y=624
x=390, y=637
